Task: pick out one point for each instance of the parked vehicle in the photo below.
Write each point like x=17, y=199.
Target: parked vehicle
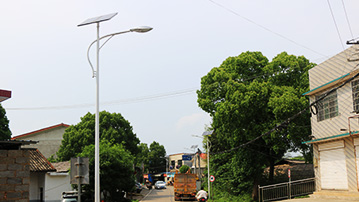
x=138, y=187
x=185, y=186
x=149, y=185
x=69, y=196
x=160, y=185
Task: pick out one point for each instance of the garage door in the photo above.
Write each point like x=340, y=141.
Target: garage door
x=356, y=144
x=333, y=170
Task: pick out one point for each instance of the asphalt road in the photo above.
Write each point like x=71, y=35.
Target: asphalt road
x=160, y=195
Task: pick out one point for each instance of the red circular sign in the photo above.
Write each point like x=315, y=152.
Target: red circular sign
x=212, y=178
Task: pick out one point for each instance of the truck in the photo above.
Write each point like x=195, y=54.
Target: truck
x=185, y=186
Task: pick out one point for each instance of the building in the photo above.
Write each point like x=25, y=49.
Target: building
x=334, y=92
x=57, y=181
x=197, y=162
x=49, y=139
x=39, y=166
x=4, y=95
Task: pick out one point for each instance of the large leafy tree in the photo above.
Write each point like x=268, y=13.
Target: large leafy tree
x=157, y=158
x=113, y=127
x=116, y=171
x=247, y=96
x=5, y=132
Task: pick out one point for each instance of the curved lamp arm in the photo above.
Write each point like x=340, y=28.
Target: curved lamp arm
x=109, y=36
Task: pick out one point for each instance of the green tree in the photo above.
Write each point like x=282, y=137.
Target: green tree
x=184, y=168
x=157, y=158
x=246, y=97
x=113, y=127
x=5, y=132
x=116, y=171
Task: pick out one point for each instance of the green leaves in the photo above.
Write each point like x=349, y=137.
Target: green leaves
x=5, y=132
x=247, y=96
x=113, y=127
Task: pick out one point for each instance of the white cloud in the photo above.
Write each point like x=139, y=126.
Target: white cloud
x=190, y=121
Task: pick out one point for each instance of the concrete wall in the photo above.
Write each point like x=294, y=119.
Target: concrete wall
x=37, y=182
x=14, y=175
x=49, y=140
x=55, y=184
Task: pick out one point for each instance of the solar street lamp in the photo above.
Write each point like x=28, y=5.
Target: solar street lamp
x=97, y=20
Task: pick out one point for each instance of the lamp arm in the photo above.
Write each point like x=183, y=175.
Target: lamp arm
x=88, y=49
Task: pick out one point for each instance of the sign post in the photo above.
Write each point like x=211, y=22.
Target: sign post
x=289, y=185
x=211, y=178
x=79, y=173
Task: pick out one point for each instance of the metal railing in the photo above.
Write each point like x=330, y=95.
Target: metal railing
x=286, y=190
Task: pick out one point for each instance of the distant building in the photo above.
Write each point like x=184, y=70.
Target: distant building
x=49, y=139
x=197, y=162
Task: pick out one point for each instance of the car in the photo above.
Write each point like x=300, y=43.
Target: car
x=160, y=185
x=69, y=196
x=138, y=187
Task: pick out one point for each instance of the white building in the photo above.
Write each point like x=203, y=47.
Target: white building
x=335, y=125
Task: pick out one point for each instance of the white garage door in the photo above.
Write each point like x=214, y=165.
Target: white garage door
x=356, y=143
x=333, y=170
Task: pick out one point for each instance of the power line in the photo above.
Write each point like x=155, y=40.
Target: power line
x=265, y=28
x=335, y=23
x=287, y=121
x=115, y=102
x=346, y=15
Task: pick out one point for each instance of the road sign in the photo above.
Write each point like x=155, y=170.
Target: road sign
x=186, y=157
x=80, y=170
x=212, y=178
x=288, y=173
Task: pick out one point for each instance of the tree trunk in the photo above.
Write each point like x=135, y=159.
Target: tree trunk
x=255, y=189
x=271, y=169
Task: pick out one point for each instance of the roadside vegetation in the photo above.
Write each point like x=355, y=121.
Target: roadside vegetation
x=250, y=100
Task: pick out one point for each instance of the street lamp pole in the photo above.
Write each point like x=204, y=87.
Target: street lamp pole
x=96, y=74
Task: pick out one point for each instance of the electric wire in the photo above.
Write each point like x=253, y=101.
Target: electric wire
x=346, y=16
x=335, y=23
x=265, y=28
x=287, y=121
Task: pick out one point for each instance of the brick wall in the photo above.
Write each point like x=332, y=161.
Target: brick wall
x=14, y=175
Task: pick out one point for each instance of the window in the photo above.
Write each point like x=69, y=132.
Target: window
x=328, y=107
x=179, y=163
x=173, y=162
x=355, y=93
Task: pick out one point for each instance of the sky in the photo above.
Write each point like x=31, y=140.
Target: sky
x=150, y=78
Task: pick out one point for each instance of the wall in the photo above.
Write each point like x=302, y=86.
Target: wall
x=49, y=140
x=36, y=182
x=55, y=184
x=14, y=175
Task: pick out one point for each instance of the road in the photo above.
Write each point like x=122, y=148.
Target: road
x=160, y=195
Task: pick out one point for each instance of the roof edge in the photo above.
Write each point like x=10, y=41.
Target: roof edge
x=324, y=139
x=41, y=130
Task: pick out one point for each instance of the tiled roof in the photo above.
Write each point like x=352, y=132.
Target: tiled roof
x=62, y=167
x=38, y=163
x=41, y=130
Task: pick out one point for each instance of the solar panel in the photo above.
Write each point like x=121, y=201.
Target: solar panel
x=98, y=19
x=207, y=133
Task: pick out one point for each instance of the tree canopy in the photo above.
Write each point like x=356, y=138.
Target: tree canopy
x=157, y=158
x=5, y=132
x=116, y=170
x=246, y=96
x=113, y=127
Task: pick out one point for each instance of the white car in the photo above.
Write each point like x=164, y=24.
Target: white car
x=160, y=185
x=69, y=196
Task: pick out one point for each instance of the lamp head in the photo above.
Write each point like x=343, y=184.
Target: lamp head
x=141, y=29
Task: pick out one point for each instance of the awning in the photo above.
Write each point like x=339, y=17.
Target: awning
x=334, y=137
x=4, y=95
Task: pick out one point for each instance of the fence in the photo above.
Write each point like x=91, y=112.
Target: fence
x=286, y=190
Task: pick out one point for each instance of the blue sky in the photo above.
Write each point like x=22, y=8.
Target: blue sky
x=149, y=78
